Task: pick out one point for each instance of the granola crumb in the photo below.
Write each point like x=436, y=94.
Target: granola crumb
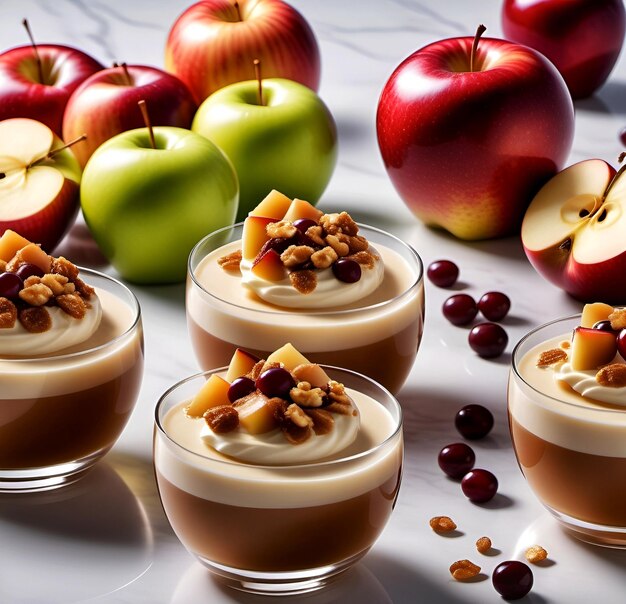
x=483, y=545
x=535, y=554
x=612, y=376
x=8, y=313
x=551, y=357
x=442, y=524
x=231, y=262
x=304, y=281
x=462, y=570
x=35, y=319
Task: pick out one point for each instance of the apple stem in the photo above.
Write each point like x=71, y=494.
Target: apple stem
x=620, y=159
x=257, y=75
x=236, y=4
x=129, y=80
x=35, y=49
x=146, y=118
x=58, y=150
x=479, y=32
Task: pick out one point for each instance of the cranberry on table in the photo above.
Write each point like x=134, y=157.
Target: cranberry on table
x=512, y=579
x=10, y=285
x=473, y=421
x=460, y=309
x=347, y=270
x=494, y=306
x=488, y=340
x=240, y=387
x=275, y=381
x=456, y=459
x=443, y=273
x=479, y=485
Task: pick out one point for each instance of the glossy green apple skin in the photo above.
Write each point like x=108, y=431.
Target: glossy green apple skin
x=289, y=143
x=147, y=208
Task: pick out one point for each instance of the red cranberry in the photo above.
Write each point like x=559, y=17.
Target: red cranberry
x=460, y=309
x=443, y=273
x=302, y=224
x=10, y=285
x=28, y=270
x=347, y=270
x=473, y=421
x=494, y=306
x=621, y=343
x=512, y=579
x=488, y=340
x=479, y=485
x=622, y=136
x=456, y=459
x=275, y=382
x=605, y=326
x=240, y=387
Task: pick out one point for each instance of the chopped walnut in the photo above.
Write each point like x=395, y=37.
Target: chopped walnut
x=462, y=570
x=442, y=524
x=303, y=281
x=255, y=372
x=483, y=545
x=15, y=262
x=37, y=294
x=535, y=554
x=8, y=313
x=324, y=258
x=365, y=259
x=282, y=229
x=339, y=223
x=551, y=357
x=231, y=262
x=296, y=415
x=35, y=319
x=315, y=234
x=62, y=266
x=222, y=419
x=618, y=319
x=295, y=255
x=612, y=376
x=337, y=393
x=277, y=406
x=86, y=291
x=341, y=248
x=56, y=283
x=323, y=421
x=72, y=304
x=32, y=280
x=305, y=396
x=358, y=244
x=295, y=434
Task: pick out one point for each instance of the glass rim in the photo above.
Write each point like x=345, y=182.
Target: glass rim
x=281, y=467
x=416, y=257
x=51, y=357
x=597, y=409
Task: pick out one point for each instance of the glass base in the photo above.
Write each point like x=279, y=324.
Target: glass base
x=30, y=480
x=279, y=583
x=596, y=534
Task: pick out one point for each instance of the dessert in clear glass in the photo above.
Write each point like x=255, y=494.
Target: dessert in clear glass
x=360, y=307
x=71, y=364
x=297, y=488
x=567, y=417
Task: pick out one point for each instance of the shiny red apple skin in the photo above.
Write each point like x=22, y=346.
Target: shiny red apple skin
x=467, y=151
x=23, y=95
x=105, y=105
x=583, y=38
x=208, y=47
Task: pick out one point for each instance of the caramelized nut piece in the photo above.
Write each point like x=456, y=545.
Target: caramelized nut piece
x=296, y=415
x=305, y=396
x=295, y=434
x=618, y=319
x=56, y=283
x=358, y=244
x=323, y=421
x=72, y=304
x=8, y=313
x=324, y=258
x=62, y=266
x=284, y=228
x=36, y=295
x=612, y=376
x=551, y=357
x=535, y=554
x=230, y=262
x=341, y=248
x=337, y=393
x=222, y=419
x=295, y=255
x=339, y=223
x=303, y=281
x=364, y=258
x=483, y=545
x=35, y=319
x=256, y=371
x=83, y=289
x=32, y=280
x=315, y=234
x=462, y=570
x=442, y=524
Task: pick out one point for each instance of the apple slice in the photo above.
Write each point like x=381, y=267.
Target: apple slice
x=254, y=235
x=592, y=313
x=255, y=414
x=302, y=209
x=269, y=266
x=33, y=254
x=312, y=373
x=213, y=394
x=592, y=348
x=241, y=363
x=10, y=243
x=275, y=205
x=288, y=356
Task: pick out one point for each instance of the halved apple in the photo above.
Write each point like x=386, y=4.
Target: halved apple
x=269, y=266
x=302, y=209
x=592, y=348
x=275, y=205
x=254, y=235
x=574, y=231
x=213, y=394
x=39, y=182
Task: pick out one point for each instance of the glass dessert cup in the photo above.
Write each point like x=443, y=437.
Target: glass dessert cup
x=572, y=453
x=379, y=339
x=61, y=412
x=280, y=529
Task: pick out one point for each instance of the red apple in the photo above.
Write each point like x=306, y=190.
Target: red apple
x=574, y=232
x=25, y=92
x=39, y=182
x=468, y=148
x=214, y=43
x=106, y=104
x=583, y=38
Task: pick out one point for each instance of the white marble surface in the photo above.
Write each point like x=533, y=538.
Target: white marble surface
x=107, y=540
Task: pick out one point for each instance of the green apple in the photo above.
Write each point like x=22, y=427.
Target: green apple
x=288, y=143
x=147, y=207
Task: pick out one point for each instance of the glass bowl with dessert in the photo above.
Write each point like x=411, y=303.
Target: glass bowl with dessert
x=71, y=364
x=278, y=474
x=344, y=294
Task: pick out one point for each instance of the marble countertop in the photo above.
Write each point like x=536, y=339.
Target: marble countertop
x=106, y=539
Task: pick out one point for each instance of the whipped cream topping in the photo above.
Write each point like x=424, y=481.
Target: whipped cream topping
x=65, y=331
x=272, y=448
x=329, y=292
x=585, y=383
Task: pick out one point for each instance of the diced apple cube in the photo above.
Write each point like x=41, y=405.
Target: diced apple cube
x=275, y=205
x=256, y=415
x=254, y=235
x=592, y=313
x=269, y=266
x=312, y=373
x=213, y=394
x=302, y=209
x=592, y=348
x=33, y=254
x=288, y=356
x=10, y=243
x=241, y=363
